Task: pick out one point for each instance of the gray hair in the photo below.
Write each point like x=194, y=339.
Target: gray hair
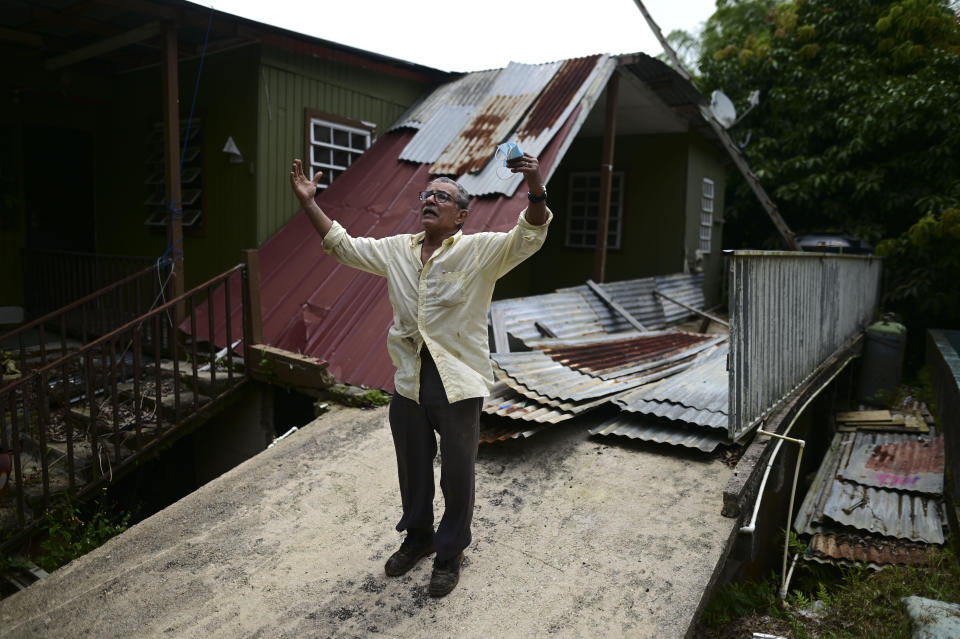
x=463, y=196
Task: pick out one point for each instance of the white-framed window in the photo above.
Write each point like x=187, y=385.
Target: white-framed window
x=706, y=215
x=333, y=144
x=584, y=206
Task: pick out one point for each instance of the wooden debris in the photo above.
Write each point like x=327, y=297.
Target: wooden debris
x=908, y=421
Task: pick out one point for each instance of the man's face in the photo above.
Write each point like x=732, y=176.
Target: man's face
x=441, y=217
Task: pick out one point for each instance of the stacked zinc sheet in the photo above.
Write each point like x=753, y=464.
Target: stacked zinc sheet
x=670, y=386
x=687, y=409
x=565, y=378
x=874, y=488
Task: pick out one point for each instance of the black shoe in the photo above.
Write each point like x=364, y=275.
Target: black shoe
x=446, y=574
x=411, y=551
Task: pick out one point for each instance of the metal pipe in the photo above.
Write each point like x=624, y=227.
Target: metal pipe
x=786, y=582
x=751, y=527
x=793, y=492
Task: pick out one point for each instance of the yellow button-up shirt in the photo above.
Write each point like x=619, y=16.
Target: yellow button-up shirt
x=442, y=303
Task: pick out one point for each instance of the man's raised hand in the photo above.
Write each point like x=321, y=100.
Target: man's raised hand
x=529, y=166
x=304, y=188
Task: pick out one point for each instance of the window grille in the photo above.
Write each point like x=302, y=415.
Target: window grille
x=583, y=208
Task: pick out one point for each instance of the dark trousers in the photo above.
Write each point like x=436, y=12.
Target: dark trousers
x=413, y=427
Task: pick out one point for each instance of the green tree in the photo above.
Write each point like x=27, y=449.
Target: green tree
x=858, y=128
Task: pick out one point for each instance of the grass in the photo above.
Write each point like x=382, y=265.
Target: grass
x=71, y=529
x=859, y=603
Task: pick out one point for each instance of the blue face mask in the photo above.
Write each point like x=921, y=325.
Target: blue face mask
x=510, y=151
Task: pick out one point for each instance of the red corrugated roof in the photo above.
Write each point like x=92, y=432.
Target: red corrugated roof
x=313, y=305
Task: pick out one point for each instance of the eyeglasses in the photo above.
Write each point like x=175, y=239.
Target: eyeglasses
x=439, y=196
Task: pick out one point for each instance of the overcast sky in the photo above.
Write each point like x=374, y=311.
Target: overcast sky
x=459, y=35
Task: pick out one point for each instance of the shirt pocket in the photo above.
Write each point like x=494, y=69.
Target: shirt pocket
x=449, y=288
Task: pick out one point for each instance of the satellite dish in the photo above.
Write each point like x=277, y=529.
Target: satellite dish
x=723, y=109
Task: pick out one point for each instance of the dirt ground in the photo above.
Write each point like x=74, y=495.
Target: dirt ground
x=573, y=536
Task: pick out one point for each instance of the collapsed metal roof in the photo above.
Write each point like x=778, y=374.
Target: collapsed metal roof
x=835, y=504
x=578, y=312
x=312, y=305
x=459, y=124
x=670, y=386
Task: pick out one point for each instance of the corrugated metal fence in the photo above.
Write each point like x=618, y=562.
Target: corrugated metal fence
x=789, y=311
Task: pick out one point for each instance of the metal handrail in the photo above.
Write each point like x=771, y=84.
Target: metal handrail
x=102, y=312
x=77, y=303
x=30, y=405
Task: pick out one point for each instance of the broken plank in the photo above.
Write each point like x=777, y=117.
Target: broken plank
x=701, y=313
x=606, y=299
x=284, y=368
x=864, y=416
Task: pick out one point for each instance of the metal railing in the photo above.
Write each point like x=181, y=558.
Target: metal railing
x=46, y=338
x=73, y=423
x=56, y=278
x=789, y=312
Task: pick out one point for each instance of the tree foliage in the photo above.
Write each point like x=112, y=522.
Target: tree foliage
x=924, y=269
x=858, y=128
x=858, y=131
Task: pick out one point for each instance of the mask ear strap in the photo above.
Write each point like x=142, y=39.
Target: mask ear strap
x=501, y=159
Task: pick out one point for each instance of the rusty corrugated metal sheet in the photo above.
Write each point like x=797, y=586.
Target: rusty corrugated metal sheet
x=539, y=372
x=915, y=465
x=504, y=401
x=437, y=133
x=891, y=513
x=514, y=90
x=831, y=500
x=579, y=82
x=467, y=91
x=696, y=396
x=654, y=430
x=630, y=354
x=876, y=552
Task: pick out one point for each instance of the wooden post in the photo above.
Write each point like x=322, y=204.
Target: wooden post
x=606, y=177
x=171, y=163
x=253, y=319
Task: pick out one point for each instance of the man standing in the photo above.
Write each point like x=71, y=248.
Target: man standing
x=440, y=284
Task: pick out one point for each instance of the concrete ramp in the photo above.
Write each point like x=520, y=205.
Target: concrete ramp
x=571, y=536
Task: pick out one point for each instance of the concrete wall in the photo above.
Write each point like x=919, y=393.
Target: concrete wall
x=234, y=435
x=943, y=358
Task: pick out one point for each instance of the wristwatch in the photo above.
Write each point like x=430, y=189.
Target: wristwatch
x=537, y=198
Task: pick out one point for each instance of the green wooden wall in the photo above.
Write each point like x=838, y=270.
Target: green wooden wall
x=286, y=86
x=704, y=162
x=224, y=107
x=653, y=237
